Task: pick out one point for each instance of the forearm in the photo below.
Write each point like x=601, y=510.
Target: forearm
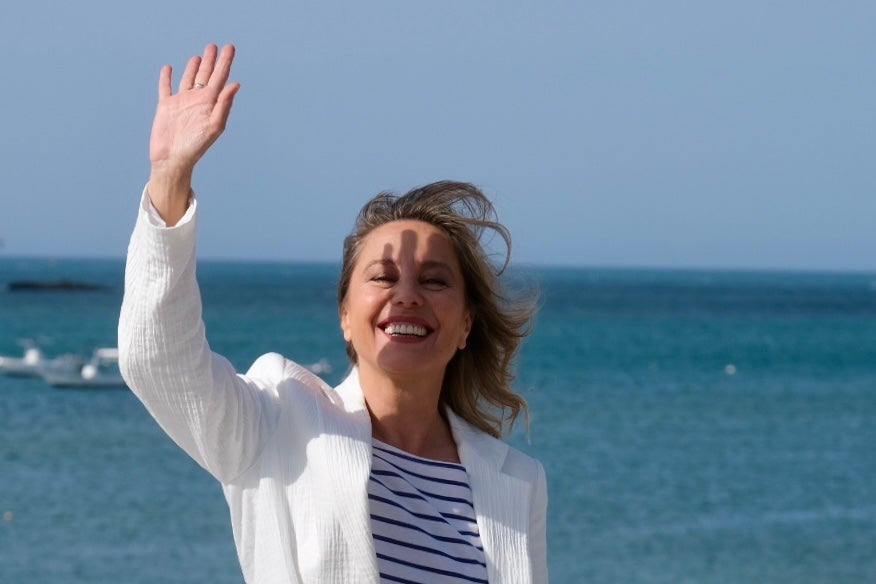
x=160, y=325
x=196, y=396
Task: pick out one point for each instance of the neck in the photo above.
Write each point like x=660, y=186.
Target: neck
x=405, y=413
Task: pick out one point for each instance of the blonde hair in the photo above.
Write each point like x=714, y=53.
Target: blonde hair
x=477, y=380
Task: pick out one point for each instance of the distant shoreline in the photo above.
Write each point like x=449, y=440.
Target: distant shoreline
x=62, y=285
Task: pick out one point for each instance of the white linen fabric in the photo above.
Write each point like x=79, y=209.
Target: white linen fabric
x=293, y=454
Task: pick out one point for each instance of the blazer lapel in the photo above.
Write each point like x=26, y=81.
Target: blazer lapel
x=348, y=457
x=501, y=502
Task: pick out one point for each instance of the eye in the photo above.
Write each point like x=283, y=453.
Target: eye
x=383, y=278
x=435, y=283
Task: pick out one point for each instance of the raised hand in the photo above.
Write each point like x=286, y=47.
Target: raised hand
x=186, y=124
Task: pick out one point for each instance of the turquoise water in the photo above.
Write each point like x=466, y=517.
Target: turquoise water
x=695, y=426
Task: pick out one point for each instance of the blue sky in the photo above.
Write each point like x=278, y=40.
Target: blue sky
x=631, y=134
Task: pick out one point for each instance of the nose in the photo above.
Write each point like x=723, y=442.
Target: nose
x=407, y=293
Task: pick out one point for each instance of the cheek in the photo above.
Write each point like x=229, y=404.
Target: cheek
x=461, y=314
x=359, y=310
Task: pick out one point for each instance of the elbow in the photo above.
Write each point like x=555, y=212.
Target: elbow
x=134, y=362
x=129, y=363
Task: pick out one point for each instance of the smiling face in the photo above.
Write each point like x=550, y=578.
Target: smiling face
x=405, y=310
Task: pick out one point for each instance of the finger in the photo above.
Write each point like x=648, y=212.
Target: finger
x=219, y=116
x=188, y=78
x=223, y=67
x=164, y=89
x=208, y=61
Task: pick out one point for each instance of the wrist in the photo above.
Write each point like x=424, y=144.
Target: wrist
x=170, y=173
x=169, y=190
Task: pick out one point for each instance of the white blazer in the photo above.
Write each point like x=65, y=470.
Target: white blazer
x=293, y=454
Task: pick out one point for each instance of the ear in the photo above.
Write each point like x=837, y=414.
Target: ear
x=345, y=322
x=468, y=319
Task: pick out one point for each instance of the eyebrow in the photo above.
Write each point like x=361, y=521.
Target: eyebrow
x=386, y=262
x=428, y=264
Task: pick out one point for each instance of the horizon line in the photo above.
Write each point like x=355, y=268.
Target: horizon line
x=518, y=264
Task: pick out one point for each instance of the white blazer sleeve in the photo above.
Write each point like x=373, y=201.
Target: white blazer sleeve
x=220, y=419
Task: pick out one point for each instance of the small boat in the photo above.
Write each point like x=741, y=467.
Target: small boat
x=321, y=367
x=34, y=363
x=28, y=365
x=102, y=370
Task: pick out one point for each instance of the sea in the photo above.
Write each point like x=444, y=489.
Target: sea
x=696, y=426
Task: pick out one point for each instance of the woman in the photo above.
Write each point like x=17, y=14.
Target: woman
x=396, y=475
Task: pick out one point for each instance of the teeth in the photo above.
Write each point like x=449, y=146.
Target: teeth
x=405, y=329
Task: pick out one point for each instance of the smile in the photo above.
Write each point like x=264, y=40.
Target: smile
x=405, y=329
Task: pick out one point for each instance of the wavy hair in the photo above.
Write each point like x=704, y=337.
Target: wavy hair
x=477, y=380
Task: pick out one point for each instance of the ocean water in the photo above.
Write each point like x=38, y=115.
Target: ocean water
x=695, y=426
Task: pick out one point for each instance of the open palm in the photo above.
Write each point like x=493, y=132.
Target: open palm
x=188, y=122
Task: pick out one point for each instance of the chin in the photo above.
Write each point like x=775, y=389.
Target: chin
x=405, y=367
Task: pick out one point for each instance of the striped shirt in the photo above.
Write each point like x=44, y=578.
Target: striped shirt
x=423, y=520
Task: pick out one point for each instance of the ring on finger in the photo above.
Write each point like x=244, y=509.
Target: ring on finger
x=200, y=85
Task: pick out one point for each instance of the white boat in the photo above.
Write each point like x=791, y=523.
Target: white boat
x=102, y=370
x=28, y=365
x=321, y=367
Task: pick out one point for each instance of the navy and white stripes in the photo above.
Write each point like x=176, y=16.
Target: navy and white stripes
x=422, y=520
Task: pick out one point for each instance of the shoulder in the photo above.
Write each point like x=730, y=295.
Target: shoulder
x=520, y=464
x=276, y=373
x=523, y=467
x=529, y=470
x=271, y=368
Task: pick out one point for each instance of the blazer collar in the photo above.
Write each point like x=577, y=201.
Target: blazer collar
x=476, y=449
